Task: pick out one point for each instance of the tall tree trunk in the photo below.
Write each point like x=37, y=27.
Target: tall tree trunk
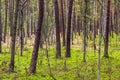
x=62, y=21
x=13, y=38
x=5, y=28
x=68, y=54
x=28, y=25
x=106, y=38
x=85, y=29
x=37, y=38
x=0, y=29
x=99, y=43
x=94, y=24
x=58, y=44
x=21, y=32
x=11, y=15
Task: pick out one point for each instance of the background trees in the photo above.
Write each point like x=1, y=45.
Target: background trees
x=65, y=32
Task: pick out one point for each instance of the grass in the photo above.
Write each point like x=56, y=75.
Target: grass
x=75, y=69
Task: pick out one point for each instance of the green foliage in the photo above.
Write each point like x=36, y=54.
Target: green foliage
x=75, y=68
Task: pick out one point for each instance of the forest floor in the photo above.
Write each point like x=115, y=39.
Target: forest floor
x=62, y=69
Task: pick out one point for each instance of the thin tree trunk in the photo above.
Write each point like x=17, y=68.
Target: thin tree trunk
x=11, y=16
x=85, y=30
x=58, y=44
x=62, y=21
x=21, y=34
x=37, y=38
x=5, y=28
x=106, y=39
x=27, y=13
x=13, y=38
x=68, y=54
x=0, y=29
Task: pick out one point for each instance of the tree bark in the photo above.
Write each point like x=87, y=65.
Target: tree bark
x=62, y=21
x=106, y=38
x=11, y=15
x=68, y=54
x=58, y=44
x=37, y=38
x=0, y=29
x=5, y=28
x=13, y=38
x=85, y=29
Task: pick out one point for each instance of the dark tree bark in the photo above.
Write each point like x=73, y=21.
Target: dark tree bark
x=11, y=15
x=37, y=38
x=62, y=21
x=28, y=25
x=31, y=25
x=85, y=29
x=0, y=29
x=21, y=32
x=58, y=44
x=6, y=11
x=13, y=38
x=68, y=54
x=106, y=38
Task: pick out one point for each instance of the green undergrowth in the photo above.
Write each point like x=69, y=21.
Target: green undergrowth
x=62, y=69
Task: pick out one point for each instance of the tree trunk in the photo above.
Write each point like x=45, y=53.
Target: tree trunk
x=58, y=44
x=0, y=29
x=21, y=32
x=37, y=38
x=106, y=38
x=11, y=11
x=68, y=54
x=13, y=38
x=5, y=28
x=85, y=30
x=28, y=25
x=62, y=21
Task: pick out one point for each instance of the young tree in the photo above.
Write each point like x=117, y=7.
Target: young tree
x=58, y=44
x=13, y=37
x=68, y=54
x=37, y=38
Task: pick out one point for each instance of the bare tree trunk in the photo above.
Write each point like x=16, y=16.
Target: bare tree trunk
x=28, y=25
x=0, y=29
x=21, y=32
x=37, y=38
x=68, y=54
x=106, y=38
x=85, y=30
x=5, y=28
x=62, y=21
x=94, y=25
x=11, y=15
x=99, y=44
x=13, y=38
x=58, y=44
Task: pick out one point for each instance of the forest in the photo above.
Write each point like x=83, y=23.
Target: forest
x=59, y=39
